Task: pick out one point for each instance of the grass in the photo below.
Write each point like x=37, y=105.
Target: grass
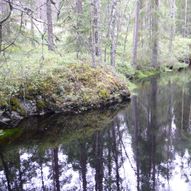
x=61, y=80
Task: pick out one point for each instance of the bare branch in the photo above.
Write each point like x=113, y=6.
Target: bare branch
x=9, y=14
x=13, y=42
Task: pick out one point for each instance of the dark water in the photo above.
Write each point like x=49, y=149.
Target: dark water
x=145, y=145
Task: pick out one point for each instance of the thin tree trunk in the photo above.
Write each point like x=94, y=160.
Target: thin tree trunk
x=32, y=24
x=50, y=26
x=95, y=32
x=154, y=59
x=97, y=27
x=185, y=18
x=107, y=20
x=113, y=32
x=136, y=34
x=1, y=37
x=173, y=24
x=79, y=20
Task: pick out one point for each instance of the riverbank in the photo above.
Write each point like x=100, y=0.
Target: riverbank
x=68, y=89
x=51, y=83
x=73, y=88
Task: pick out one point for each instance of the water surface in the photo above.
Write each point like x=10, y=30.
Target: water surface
x=145, y=145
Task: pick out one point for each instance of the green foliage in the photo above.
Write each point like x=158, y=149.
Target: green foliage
x=143, y=74
x=10, y=133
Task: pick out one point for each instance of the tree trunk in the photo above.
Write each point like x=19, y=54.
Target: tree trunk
x=185, y=17
x=4, y=20
x=173, y=24
x=32, y=24
x=136, y=34
x=95, y=33
x=113, y=32
x=154, y=58
x=79, y=11
x=1, y=37
x=50, y=26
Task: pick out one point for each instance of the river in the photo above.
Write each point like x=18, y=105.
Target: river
x=144, y=145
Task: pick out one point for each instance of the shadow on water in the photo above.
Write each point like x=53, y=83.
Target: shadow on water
x=146, y=146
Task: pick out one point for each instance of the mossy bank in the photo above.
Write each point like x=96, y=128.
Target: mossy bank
x=73, y=88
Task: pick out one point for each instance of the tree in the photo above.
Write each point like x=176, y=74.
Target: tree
x=173, y=24
x=50, y=25
x=136, y=34
x=3, y=20
x=95, y=32
x=79, y=11
x=154, y=30
x=113, y=31
x=32, y=22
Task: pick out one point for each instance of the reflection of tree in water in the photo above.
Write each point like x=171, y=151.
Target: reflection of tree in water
x=101, y=152
x=144, y=129
x=156, y=137
x=93, y=152
x=94, y=156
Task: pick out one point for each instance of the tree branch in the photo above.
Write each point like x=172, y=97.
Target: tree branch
x=9, y=14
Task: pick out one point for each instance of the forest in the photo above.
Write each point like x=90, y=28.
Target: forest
x=71, y=56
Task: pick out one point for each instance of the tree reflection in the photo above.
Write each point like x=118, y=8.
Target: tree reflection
x=137, y=148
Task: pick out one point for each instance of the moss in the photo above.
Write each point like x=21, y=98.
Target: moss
x=103, y=93
x=41, y=104
x=86, y=98
x=30, y=90
x=7, y=134
x=132, y=86
x=3, y=103
x=70, y=84
x=144, y=74
x=17, y=106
